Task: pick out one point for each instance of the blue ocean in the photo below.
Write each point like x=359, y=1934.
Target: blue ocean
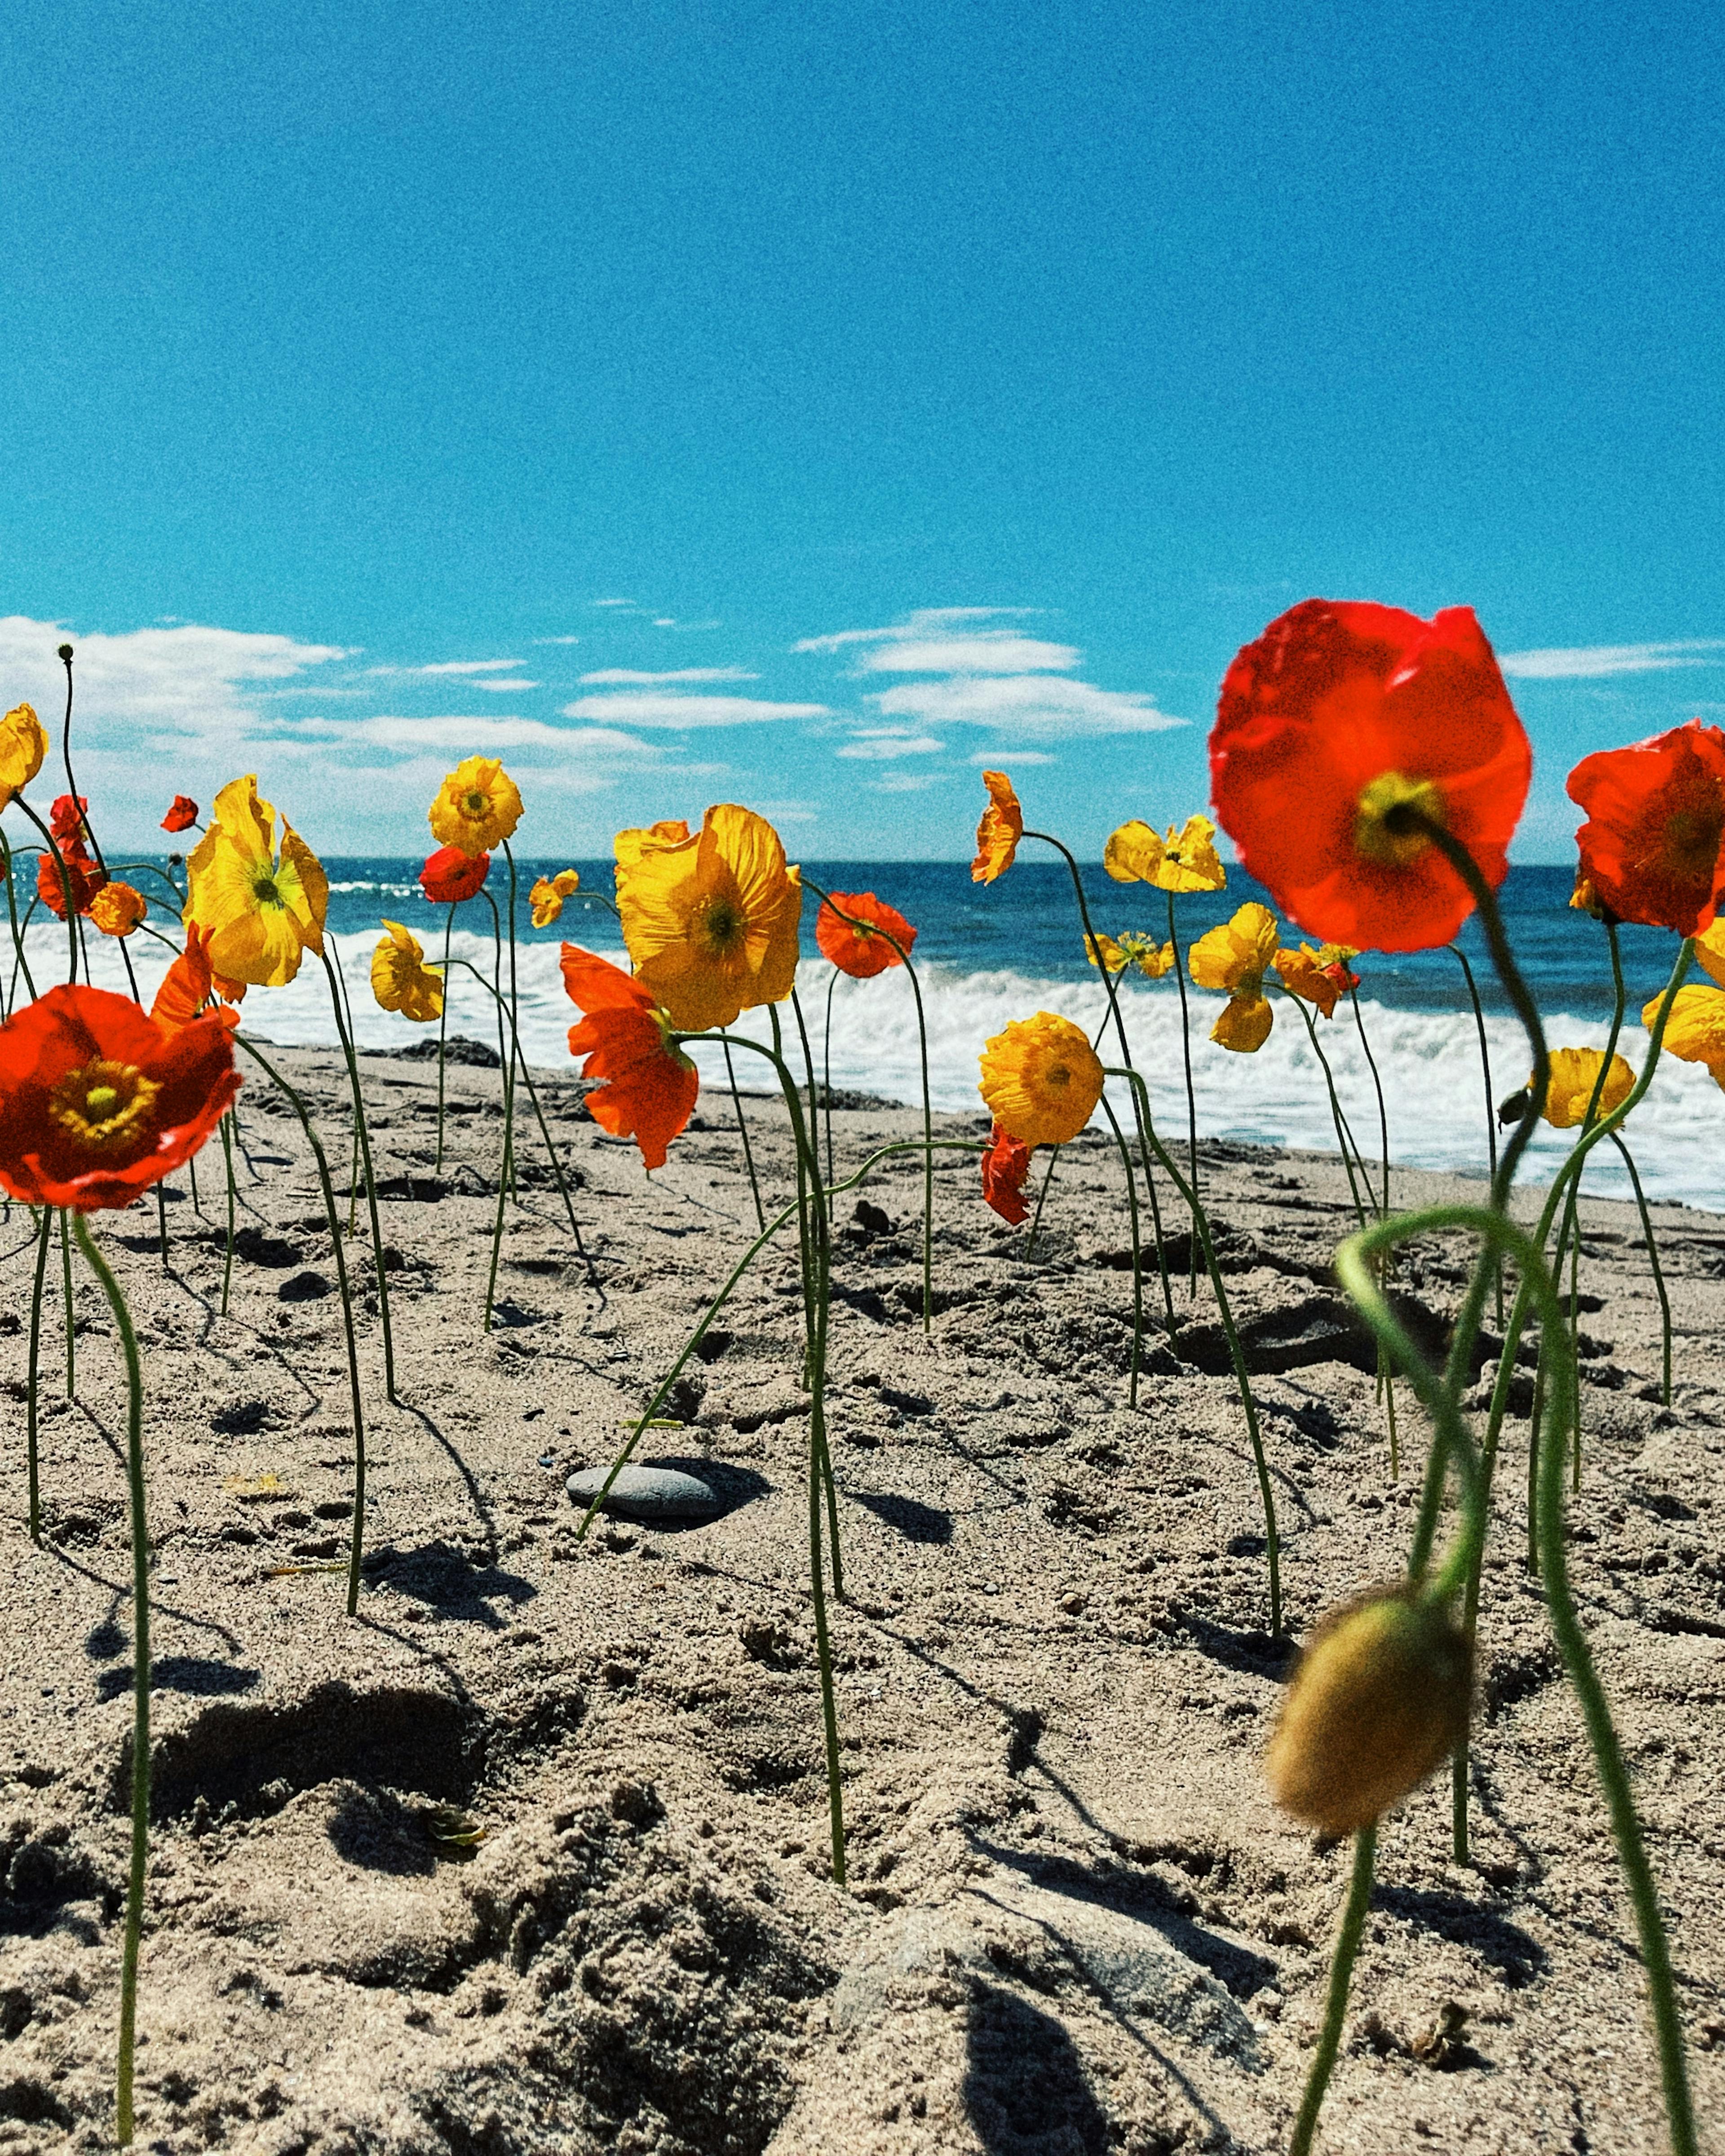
x=986, y=954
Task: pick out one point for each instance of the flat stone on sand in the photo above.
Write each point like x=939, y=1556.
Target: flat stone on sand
x=648, y=1493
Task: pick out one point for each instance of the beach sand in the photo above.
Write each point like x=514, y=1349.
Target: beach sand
x=1076, y=1924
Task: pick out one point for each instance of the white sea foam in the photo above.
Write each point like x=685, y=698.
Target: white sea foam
x=1430, y=1061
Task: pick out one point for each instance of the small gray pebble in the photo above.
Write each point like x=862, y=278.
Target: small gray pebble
x=648, y=1493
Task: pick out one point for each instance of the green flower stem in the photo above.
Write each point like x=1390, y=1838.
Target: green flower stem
x=1186, y=1059
x=1131, y=1201
x=334, y=1219
x=904, y=959
x=743, y=1131
x=227, y=1163
x=1329, y=2042
x=365, y=1147
x=505, y=1061
x=443, y=1034
x=826, y=1069
x=32, y=1412
x=819, y=1303
x=1342, y=1133
x=1236, y=1352
x=1054, y=1154
x=1665, y=1300
x=515, y=1018
x=65, y=873
x=1378, y=1086
x=11, y=986
x=140, y=1685
x=17, y=933
x=1479, y=1020
x=71, y=1322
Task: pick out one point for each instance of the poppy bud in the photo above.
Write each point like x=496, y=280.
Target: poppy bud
x=1515, y=1109
x=65, y=651
x=1380, y=1698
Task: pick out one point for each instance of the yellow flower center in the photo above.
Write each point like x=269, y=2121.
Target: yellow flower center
x=1386, y=827
x=720, y=927
x=102, y=1104
x=475, y=803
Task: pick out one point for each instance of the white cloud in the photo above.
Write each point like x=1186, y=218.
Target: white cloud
x=501, y=688
x=990, y=651
x=881, y=744
x=1024, y=703
x=906, y=782
x=474, y=734
x=926, y=621
x=614, y=603
x=988, y=758
x=186, y=682
x=452, y=666
x=1590, y=662
x=618, y=675
x=646, y=709
x=557, y=640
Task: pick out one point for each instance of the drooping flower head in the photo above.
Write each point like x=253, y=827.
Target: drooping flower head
x=857, y=946
x=401, y=979
x=478, y=806
x=117, y=909
x=1005, y=1166
x=1343, y=723
x=98, y=1102
x=1653, y=847
x=650, y=1085
x=548, y=895
x=450, y=875
x=1186, y=860
x=710, y=921
x=23, y=744
x=1695, y=1031
x=1235, y=958
x=1321, y=977
x=999, y=832
x=1041, y=1079
x=1105, y=954
x=181, y=815
x=70, y=862
x=188, y=986
x=1575, y=1073
x=262, y=910
x=1378, y=1700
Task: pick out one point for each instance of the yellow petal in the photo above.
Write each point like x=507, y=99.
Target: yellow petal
x=1574, y=1072
x=23, y=744
x=1190, y=861
x=1103, y=951
x=1710, y=949
x=1245, y=1024
x=1133, y=854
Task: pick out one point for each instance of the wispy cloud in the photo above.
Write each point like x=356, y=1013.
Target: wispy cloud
x=619, y=675
x=987, y=757
x=926, y=621
x=557, y=640
x=644, y=708
x=614, y=603
x=474, y=734
x=1592, y=661
x=950, y=640
x=906, y=782
x=882, y=744
x=501, y=688
x=451, y=666
x=1024, y=704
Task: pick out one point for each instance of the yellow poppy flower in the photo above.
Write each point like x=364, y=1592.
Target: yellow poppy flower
x=1574, y=1072
x=1042, y=1080
x=477, y=807
x=710, y=921
x=1710, y=949
x=22, y=746
x=1235, y=958
x=1152, y=958
x=1695, y=1032
x=999, y=832
x=1103, y=951
x=1186, y=860
x=402, y=981
x=260, y=911
x=1321, y=977
x=1584, y=899
x=117, y=909
x=548, y=895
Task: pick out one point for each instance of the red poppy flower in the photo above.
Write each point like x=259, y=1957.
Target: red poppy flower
x=86, y=878
x=1651, y=847
x=182, y=815
x=188, y=985
x=1340, y=715
x=650, y=1084
x=1006, y=1165
x=66, y=819
x=450, y=876
x=858, y=950
x=97, y=1101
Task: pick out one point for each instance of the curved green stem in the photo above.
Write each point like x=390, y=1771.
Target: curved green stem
x=1329, y=2042
x=1131, y=1201
x=743, y=1131
x=65, y=874
x=227, y=1163
x=1478, y=1020
x=31, y=1413
x=1665, y=1300
x=1186, y=1061
x=1054, y=1154
x=17, y=934
x=1340, y=1122
x=71, y=1319
x=826, y=1069
x=365, y=1149
x=334, y=1219
x=1236, y=1353
x=136, y=1870
x=443, y=1035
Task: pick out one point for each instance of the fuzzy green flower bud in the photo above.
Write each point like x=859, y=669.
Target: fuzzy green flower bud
x=1380, y=1699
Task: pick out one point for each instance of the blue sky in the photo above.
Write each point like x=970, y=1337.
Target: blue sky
x=805, y=404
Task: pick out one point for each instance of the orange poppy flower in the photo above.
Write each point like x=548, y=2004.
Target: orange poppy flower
x=450, y=875
x=1340, y=718
x=1041, y=1079
x=65, y=821
x=117, y=909
x=181, y=815
x=999, y=832
x=1651, y=847
x=854, y=946
x=1319, y=977
x=1005, y=1166
x=650, y=1085
x=188, y=986
x=98, y=1102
